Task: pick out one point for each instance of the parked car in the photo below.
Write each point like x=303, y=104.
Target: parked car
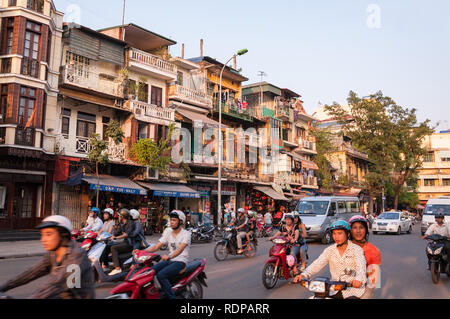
x=392, y=222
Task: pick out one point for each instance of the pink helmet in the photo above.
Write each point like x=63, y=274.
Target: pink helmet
x=358, y=218
x=290, y=260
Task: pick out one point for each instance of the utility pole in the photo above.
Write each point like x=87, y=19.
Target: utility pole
x=261, y=74
x=123, y=20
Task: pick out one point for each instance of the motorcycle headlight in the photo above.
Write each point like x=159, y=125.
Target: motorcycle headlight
x=317, y=287
x=228, y=229
x=141, y=259
x=195, y=230
x=435, y=252
x=86, y=246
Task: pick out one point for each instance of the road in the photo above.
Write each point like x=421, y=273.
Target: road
x=404, y=273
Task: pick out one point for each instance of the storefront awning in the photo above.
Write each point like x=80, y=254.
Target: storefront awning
x=309, y=165
x=114, y=184
x=199, y=117
x=271, y=193
x=171, y=190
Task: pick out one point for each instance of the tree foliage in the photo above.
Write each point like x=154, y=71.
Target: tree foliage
x=324, y=147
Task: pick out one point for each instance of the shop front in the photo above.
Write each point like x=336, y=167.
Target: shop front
x=264, y=199
x=228, y=199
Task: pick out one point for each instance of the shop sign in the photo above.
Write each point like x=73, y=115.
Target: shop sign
x=228, y=190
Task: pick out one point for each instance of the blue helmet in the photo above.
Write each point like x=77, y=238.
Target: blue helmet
x=340, y=224
x=95, y=210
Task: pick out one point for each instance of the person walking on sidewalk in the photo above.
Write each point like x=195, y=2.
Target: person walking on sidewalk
x=68, y=267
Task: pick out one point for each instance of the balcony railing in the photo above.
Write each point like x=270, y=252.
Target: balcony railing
x=154, y=63
x=82, y=147
x=30, y=67
x=307, y=145
x=91, y=81
x=25, y=136
x=149, y=112
x=190, y=95
x=232, y=109
x=310, y=181
x=353, y=152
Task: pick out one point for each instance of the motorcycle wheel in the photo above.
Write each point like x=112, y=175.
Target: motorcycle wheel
x=221, y=252
x=269, y=278
x=252, y=252
x=435, y=272
x=194, y=290
x=163, y=247
x=327, y=238
x=410, y=230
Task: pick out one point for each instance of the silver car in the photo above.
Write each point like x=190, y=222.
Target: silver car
x=392, y=222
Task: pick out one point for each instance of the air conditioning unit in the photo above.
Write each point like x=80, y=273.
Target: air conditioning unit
x=151, y=174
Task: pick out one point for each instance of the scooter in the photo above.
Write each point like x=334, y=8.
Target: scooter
x=203, y=233
x=140, y=283
x=228, y=245
x=276, y=267
x=90, y=239
x=437, y=258
x=95, y=253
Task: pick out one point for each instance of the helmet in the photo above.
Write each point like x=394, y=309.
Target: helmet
x=250, y=213
x=134, y=214
x=178, y=214
x=109, y=211
x=56, y=221
x=290, y=260
x=289, y=215
x=233, y=215
x=340, y=224
x=439, y=215
x=95, y=210
x=125, y=213
x=241, y=210
x=358, y=218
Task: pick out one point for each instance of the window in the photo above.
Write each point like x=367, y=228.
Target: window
x=429, y=182
x=180, y=78
x=143, y=92
x=342, y=208
x=429, y=158
x=30, y=63
x=36, y=5
x=65, y=122
x=332, y=210
x=9, y=35
x=79, y=63
x=105, y=122
x=445, y=156
x=156, y=96
x=27, y=104
x=3, y=102
x=446, y=182
x=352, y=207
x=142, y=131
x=86, y=124
x=6, y=65
x=12, y=3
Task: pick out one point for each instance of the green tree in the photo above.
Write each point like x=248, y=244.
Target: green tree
x=98, y=148
x=389, y=134
x=153, y=154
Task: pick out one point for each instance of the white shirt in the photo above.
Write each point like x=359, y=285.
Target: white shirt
x=183, y=237
x=268, y=218
x=352, y=258
x=435, y=229
x=93, y=224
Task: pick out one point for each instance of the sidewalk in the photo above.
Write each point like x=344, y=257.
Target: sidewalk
x=33, y=248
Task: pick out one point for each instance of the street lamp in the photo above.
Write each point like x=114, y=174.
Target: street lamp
x=219, y=188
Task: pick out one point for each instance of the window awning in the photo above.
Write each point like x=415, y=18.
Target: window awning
x=309, y=165
x=171, y=190
x=271, y=193
x=199, y=117
x=444, y=154
x=114, y=184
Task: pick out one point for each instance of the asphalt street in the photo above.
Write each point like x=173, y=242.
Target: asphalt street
x=403, y=273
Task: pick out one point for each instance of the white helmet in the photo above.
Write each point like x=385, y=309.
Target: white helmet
x=56, y=221
x=178, y=214
x=233, y=215
x=134, y=214
x=241, y=210
x=250, y=213
x=109, y=211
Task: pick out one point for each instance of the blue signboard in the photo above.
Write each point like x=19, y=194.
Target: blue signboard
x=176, y=194
x=115, y=189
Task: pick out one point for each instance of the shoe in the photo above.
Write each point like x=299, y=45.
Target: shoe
x=240, y=251
x=115, y=272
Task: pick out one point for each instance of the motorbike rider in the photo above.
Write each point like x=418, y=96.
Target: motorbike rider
x=178, y=240
x=94, y=223
x=440, y=228
x=64, y=257
x=300, y=226
x=108, y=222
x=138, y=233
x=127, y=227
x=340, y=256
x=251, y=227
x=360, y=236
x=293, y=235
x=241, y=228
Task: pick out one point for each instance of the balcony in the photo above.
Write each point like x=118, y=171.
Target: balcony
x=80, y=147
x=232, y=109
x=282, y=111
x=310, y=182
x=307, y=146
x=433, y=189
x=94, y=83
x=184, y=94
x=152, y=65
x=24, y=136
x=352, y=152
x=150, y=113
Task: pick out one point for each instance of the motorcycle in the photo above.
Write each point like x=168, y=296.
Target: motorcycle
x=140, y=282
x=203, y=233
x=437, y=258
x=263, y=230
x=325, y=288
x=90, y=239
x=276, y=267
x=228, y=245
x=95, y=253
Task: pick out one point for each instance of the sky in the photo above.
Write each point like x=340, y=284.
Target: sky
x=320, y=49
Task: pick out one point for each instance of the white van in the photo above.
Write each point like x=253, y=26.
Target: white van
x=318, y=213
x=434, y=205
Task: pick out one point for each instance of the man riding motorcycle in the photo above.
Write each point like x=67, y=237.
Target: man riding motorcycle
x=360, y=236
x=241, y=228
x=178, y=240
x=440, y=228
x=94, y=223
x=251, y=227
x=340, y=256
x=69, y=270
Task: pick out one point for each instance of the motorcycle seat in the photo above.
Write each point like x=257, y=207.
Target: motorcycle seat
x=188, y=270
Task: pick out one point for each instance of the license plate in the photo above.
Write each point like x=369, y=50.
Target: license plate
x=382, y=228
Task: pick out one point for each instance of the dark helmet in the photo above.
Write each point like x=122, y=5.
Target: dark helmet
x=125, y=213
x=439, y=215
